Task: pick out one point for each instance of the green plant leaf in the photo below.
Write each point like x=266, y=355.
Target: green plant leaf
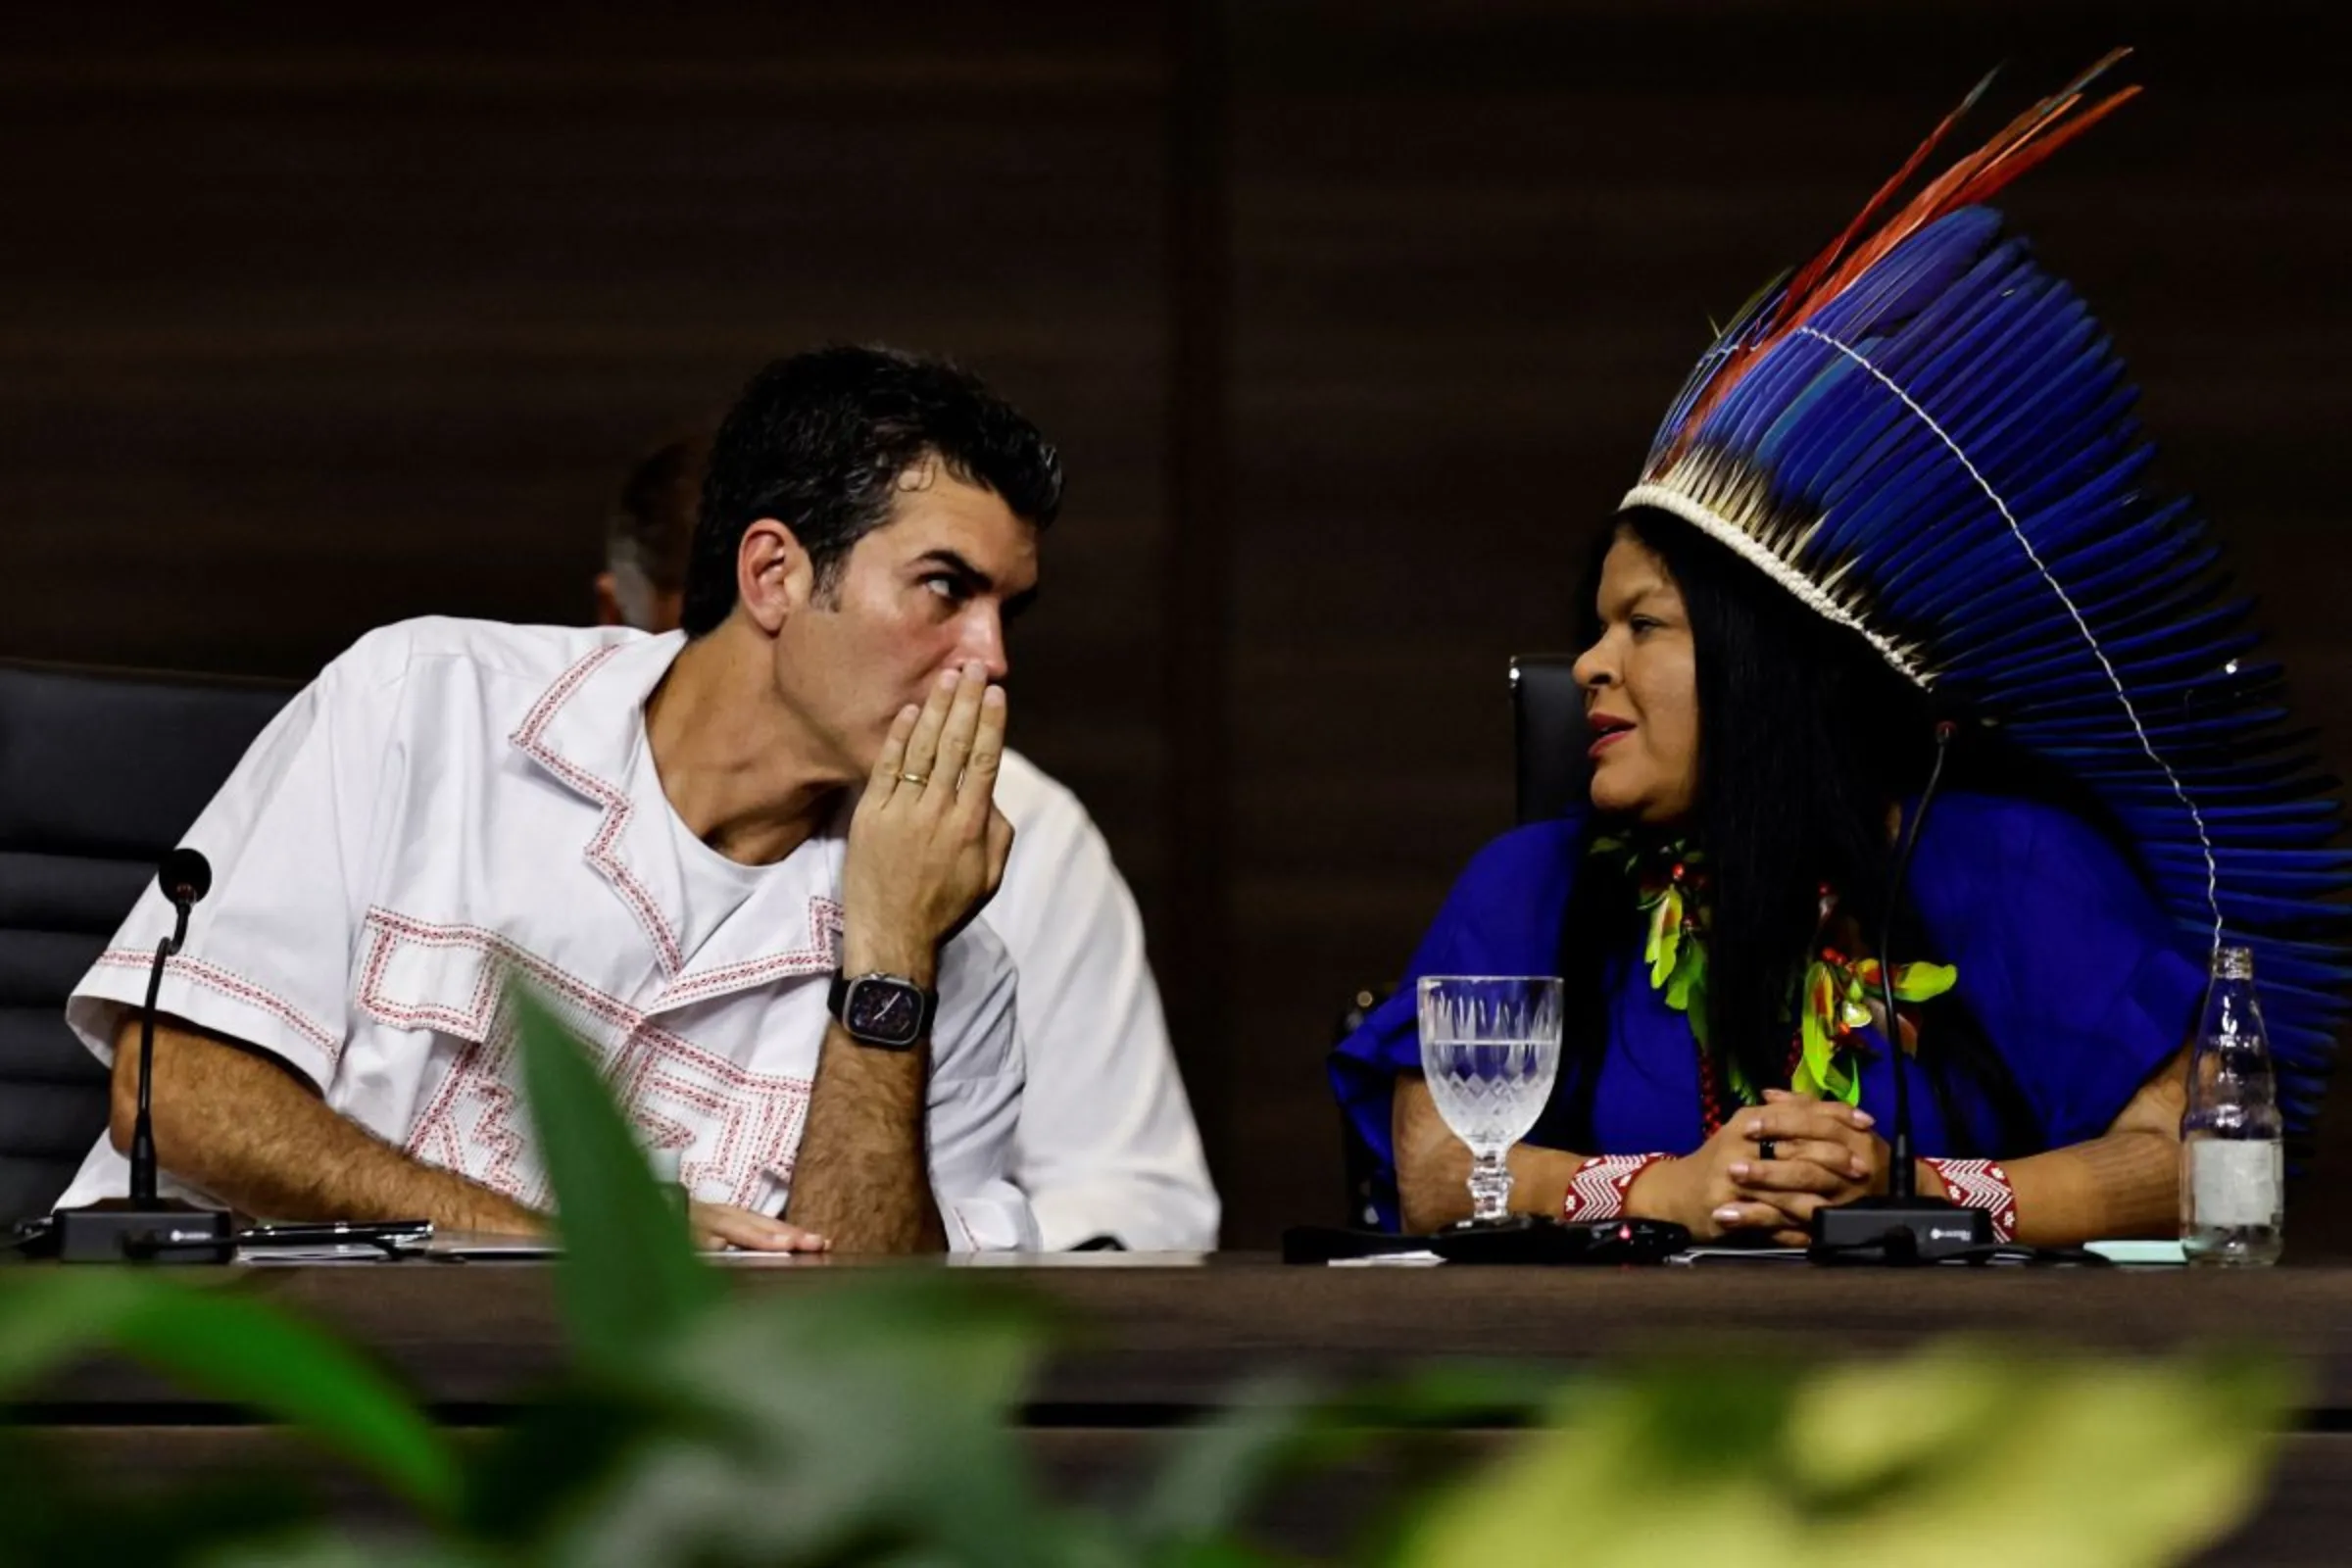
x=327, y=1549
x=628, y=1278
x=2094, y=1463
x=1458, y=1392
x=1219, y=1554
x=1219, y=1469
x=234, y=1348
x=559, y=1449
x=1276, y=1431
x=870, y=1420
x=63, y=1510
x=2101, y=1463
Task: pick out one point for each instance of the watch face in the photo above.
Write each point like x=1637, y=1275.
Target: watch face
x=884, y=1012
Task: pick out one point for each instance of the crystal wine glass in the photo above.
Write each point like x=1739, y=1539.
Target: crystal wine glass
x=1490, y=1049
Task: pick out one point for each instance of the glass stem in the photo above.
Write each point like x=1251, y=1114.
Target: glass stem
x=1490, y=1187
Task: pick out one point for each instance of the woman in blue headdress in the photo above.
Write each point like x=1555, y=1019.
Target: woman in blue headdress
x=1897, y=500
x=1751, y=764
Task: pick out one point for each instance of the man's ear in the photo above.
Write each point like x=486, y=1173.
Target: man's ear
x=773, y=576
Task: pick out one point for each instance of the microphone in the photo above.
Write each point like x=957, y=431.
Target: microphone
x=1901, y=1227
x=185, y=876
x=146, y=1228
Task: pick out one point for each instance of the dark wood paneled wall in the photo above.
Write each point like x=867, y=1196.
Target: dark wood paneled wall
x=1352, y=317
x=311, y=322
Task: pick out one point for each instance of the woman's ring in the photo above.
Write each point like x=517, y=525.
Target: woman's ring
x=1766, y=1149
x=917, y=779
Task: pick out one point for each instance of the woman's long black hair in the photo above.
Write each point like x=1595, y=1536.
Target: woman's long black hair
x=1807, y=741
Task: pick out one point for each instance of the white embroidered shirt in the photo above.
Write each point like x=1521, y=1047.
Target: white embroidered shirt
x=452, y=801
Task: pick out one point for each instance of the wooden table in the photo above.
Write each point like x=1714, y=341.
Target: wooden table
x=1170, y=1337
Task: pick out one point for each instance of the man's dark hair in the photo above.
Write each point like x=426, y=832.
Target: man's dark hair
x=817, y=442
x=651, y=528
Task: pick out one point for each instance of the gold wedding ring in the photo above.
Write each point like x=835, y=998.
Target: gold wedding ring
x=917, y=779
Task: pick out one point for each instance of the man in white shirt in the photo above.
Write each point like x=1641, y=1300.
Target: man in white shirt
x=1107, y=1149
x=667, y=838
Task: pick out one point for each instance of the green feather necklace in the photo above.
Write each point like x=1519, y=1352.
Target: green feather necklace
x=1670, y=882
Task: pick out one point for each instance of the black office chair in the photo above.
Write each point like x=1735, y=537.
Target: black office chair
x=1548, y=735
x=1548, y=741
x=100, y=773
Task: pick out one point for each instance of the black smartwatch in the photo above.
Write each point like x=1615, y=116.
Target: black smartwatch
x=886, y=1010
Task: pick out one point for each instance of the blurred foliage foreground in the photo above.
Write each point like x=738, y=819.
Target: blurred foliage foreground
x=875, y=1420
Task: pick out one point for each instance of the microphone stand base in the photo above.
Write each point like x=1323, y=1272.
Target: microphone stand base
x=1897, y=1231
x=115, y=1229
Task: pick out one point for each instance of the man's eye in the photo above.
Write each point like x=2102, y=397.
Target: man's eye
x=1641, y=624
x=945, y=585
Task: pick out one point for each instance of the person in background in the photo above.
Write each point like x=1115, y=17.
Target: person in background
x=1106, y=1150
x=647, y=537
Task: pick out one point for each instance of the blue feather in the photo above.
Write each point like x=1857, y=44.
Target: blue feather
x=1986, y=373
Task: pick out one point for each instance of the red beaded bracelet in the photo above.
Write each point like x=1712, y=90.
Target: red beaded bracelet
x=1597, y=1189
x=1980, y=1184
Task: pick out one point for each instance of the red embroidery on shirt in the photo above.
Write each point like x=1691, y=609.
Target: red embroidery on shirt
x=476, y=1020
x=757, y=1117
x=820, y=957
x=474, y=1023
x=615, y=803
x=565, y=684
x=473, y=1121
x=229, y=984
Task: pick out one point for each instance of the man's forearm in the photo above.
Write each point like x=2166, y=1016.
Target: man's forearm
x=238, y=1126
x=926, y=847
x=1433, y=1167
x=862, y=1177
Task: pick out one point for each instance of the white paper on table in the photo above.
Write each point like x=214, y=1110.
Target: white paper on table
x=2138, y=1251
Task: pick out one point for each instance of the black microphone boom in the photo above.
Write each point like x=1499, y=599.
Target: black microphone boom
x=146, y=1228
x=1901, y=1227
x=185, y=876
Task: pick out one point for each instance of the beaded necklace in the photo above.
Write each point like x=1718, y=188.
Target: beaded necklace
x=1825, y=1047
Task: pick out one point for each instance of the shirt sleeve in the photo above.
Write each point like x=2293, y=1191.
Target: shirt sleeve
x=974, y=1105
x=2081, y=980
x=1503, y=916
x=290, y=840
x=1107, y=1144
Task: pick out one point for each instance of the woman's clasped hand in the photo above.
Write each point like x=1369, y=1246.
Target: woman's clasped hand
x=1821, y=1152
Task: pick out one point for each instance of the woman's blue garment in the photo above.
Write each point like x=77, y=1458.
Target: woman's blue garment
x=2074, y=974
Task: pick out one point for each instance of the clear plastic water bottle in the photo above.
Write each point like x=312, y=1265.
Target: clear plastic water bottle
x=2232, y=1160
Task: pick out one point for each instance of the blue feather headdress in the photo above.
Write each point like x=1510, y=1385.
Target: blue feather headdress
x=1927, y=438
